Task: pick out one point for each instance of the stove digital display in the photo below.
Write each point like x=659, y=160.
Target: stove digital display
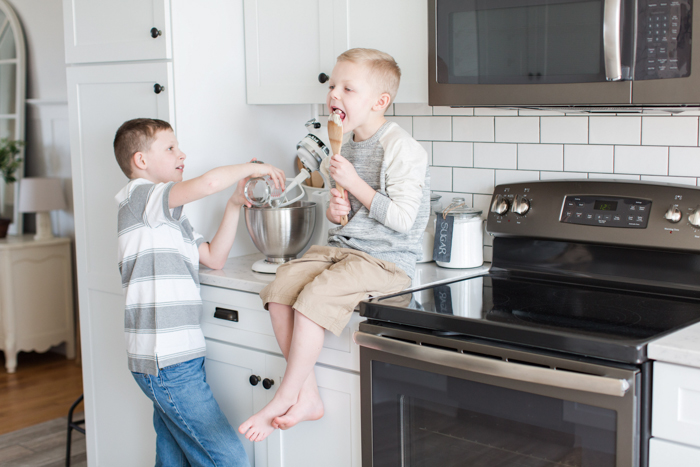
x=611, y=212
x=600, y=205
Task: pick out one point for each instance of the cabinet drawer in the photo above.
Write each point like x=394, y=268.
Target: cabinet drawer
x=665, y=453
x=252, y=327
x=676, y=403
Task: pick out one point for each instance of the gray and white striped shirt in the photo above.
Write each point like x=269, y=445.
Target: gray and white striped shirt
x=159, y=267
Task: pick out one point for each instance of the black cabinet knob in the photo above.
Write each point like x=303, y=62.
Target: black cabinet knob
x=157, y=88
x=268, y=383
x=254, y=380
x=155, y=32
x=322, y=78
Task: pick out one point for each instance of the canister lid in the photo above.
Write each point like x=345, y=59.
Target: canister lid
x=458, y=208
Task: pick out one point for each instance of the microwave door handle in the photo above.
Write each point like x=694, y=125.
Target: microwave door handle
x=612, y=39
x=498, y=368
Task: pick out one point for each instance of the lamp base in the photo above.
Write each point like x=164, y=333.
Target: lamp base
x=43, y=226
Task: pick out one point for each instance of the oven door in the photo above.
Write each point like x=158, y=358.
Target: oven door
x=430, y=401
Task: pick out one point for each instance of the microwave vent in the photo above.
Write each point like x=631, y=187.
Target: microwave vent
x=606, y=110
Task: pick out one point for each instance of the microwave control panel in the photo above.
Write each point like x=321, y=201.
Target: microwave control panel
x=663, y=39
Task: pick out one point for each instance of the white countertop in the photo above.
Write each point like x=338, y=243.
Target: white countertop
x=681, y=347
x=238, y=274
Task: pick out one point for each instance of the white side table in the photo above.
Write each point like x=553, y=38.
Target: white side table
x=36, y=296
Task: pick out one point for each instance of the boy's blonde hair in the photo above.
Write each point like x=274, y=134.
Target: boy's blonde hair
x=382, y=67
x=134, y=136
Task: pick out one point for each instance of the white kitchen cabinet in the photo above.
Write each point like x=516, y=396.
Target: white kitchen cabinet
x=100, y=99
x=676, y=403
x=289, y=44
x=333, y=440
x=107, y=31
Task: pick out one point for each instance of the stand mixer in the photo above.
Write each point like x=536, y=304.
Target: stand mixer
x=288, y=227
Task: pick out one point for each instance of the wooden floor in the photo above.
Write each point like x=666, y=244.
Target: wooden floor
x=43, y=388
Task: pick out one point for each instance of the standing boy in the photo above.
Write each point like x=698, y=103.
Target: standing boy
x=385, y=172
x=159, y=256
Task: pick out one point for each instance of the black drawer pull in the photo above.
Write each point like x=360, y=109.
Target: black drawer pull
x=268, y=383
x=228, y=315
x=254, y=380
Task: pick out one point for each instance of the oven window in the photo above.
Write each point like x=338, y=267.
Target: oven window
x=520, y=42
x=423, y=419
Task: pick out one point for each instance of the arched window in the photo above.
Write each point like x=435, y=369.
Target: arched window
x=12, y=103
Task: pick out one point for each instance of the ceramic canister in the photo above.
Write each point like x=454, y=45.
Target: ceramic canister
x=467, y=249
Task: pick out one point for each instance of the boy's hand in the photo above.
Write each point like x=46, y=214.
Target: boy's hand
x=343, y=171
x=238, y=198
x=338, y=206
x=260, y=169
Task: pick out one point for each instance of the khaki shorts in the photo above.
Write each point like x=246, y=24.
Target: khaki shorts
x=327, y=283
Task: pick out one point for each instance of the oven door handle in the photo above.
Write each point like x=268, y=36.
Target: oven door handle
x=498, y=368
x=612, y=39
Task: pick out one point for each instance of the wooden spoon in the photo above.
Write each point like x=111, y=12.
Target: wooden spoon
x=335, y=135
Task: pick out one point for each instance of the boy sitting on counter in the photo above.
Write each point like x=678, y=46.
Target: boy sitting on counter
x=385, y=172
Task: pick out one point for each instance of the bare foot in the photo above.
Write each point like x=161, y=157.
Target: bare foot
x=259, y=426
x=309, y=407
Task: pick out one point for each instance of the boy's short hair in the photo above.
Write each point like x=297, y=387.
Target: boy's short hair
x=382, y=67
x=134, y=136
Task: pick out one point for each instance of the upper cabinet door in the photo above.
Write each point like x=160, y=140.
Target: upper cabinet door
x=108, y=31
x=399, y=28
x=288, y=44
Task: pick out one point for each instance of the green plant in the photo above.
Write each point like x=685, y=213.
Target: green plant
x=9, y=158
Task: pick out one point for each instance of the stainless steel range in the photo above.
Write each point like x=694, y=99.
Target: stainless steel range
x=542, y=361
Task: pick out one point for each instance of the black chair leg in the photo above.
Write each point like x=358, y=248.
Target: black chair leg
x=73, y=425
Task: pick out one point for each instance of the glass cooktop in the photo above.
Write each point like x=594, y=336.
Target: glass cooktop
x=591, y=321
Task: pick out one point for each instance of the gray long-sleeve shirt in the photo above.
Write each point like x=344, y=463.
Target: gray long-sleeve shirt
x=396, y=167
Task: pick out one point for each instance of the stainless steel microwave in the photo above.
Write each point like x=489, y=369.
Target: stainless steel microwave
x=563, y=53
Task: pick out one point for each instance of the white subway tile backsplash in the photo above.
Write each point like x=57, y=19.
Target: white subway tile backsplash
x=540, y=113
x=684, y=162
x=517, y=129
x=453, y=154
x=643, y=160
x=598, y=176
x=665, y=131
x=573, y=130
x=496, y=156
x=495, y=111
x=516, y=176
x=428, y=146
x=474, y=180
x=615, y=130
x=540, y=157
x=562, y=175
x=473, y=129
x=453, y=111
x=483, y=202
x=588, y=158
x=675, y=180
x=412, y=109
x=404, y=122
x=432, y=128
x=441, y=178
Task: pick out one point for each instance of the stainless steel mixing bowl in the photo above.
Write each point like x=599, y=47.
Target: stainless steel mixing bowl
x=281, y=233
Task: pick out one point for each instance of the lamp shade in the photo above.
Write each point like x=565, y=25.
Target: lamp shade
x=40, y=195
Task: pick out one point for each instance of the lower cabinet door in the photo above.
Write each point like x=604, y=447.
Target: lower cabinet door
x=664, y=453
x=229, y=369
x=334, y=440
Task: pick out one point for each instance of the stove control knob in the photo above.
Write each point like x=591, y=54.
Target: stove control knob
x=673, y=215
x=521, y=205
x=694, y=218
x=500, y=205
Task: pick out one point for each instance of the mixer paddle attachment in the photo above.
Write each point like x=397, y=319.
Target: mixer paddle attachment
x=283, y=199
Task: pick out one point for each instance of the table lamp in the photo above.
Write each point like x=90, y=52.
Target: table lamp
x=41, y=195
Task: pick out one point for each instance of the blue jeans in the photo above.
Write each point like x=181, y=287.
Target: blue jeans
x=191, y=429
